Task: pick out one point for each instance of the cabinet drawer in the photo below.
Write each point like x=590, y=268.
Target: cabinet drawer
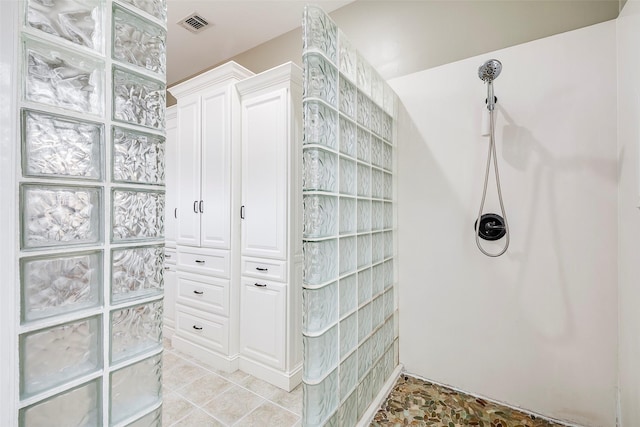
x=213, y=263
x=206, y=329
x=267, y=269
x=205, y=293
x=169, y=256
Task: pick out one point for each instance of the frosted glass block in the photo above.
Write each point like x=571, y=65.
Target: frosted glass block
x=388, y=362
x=54, y=216
x=79, y=406
x=388, y=215
x=386, y=130
x=319, y=170
x=377, y=90
x=364, y=250
x=58, y=146
x=347, y=214
x=364, y=215
x=364, y=286
x=348, y=294
x=320, y=125
x=376, y=377
x=377, y=186
x=377, y=247
x=348, y=375
x=348, y=334
x=138, y=157
x=377, y=279
x=377, y=155
x=320, y=261
x=346, y=56
x=135, y=330
x=152, y=419
x=396, y=353
x=348, y=412
x=136, y=272
x=377, y=215
x=364, y=322
x=320, y=355
x=137, y=215
x=135, y=388
x=388, y=303
x=348, y=182
x=53, y=285
x=348, y=260
x=388, y=274
x=156, y=8
x=73, y=20
x=320, y=33
x=387, y=156
x=59, y=354
x=348, y=98
x=363, y=77
x=364, y=145
x=387, y=332
x=388, y=186
x=62, y=78
x=389, y=99
x=347, y=137
x=320, y=400
x=364, y=394
x=378, y=342
x=320, y=216
x=321, y=79
x=364, y=359
x=388, y=244
x=138, y=41
x=377, y=312
x=364, y=180
x=375, y=118
x=320, y=308
x=138, y=99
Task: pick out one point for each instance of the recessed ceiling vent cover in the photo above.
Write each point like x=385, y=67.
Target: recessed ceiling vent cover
x=194, y=23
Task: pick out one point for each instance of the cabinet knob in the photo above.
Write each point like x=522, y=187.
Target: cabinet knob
x=197, y=328
x=167, y=268
x=200, y=261
x=167, y=255
x=260, y=285
x=198, y=292
x=262, y=269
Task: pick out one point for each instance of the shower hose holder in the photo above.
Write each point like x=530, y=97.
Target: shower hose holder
x=491, y=227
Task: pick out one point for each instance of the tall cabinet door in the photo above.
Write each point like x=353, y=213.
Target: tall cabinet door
x=264, y=175
x=189, y=162
x=171, y=178
x=216, y=169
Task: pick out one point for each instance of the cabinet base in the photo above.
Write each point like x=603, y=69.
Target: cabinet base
x=208, y=357
x=284, y=380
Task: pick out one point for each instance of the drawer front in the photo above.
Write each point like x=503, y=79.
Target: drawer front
x=205, y=293
x=266, y=269
x=169, y=256
x=211, y=332
x=212, y=263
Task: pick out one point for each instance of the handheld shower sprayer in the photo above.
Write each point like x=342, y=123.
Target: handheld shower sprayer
x=488, y=72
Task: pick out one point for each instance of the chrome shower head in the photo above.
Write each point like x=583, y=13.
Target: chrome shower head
x=490, y=70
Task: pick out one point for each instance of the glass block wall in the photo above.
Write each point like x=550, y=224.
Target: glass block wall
x=350, y=338
x=91, y=200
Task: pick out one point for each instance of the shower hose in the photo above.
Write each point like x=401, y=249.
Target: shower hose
x=492, y=153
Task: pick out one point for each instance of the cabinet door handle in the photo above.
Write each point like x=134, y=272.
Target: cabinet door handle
x=175, y=213
x=167, y=268
x=198, y=292
x=197, y=328
x=201, y=206
x=200, y=261
x=260, y=285
x=195, y=206
x=242, y=212
x=262, y=269
x=167, y=255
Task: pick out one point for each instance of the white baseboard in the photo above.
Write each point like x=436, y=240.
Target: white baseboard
x=371, y=411
x=284, y=380
x=205, y=356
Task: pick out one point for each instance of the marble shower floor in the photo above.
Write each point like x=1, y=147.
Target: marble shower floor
x=199, y=396
x=414, y=402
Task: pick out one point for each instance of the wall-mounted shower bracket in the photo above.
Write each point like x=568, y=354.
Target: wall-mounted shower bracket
x=491, y=227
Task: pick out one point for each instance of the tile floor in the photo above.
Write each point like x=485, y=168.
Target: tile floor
x=199, y=396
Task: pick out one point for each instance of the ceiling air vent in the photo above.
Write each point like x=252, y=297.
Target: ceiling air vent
x=194, y=23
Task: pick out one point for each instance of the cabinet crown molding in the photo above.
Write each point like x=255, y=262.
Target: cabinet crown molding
x=288, y=73
x=228, y=73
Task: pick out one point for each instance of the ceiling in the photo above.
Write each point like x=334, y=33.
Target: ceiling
x=235, y=26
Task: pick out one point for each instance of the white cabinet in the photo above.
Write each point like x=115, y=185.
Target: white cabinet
x=171, y=177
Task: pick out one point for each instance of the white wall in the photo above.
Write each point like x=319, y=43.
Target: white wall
x=628, y=27
x=536, y=328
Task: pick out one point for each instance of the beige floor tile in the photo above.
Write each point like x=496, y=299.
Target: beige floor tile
x=260, y=387
x=204, y=389
x=198, y=418
x=236, y=377
x=182, y=374
x=166, y=343
x=269, y=414
x=233, y=404
x=169, y=360
x=291, y=401
x=174, y=407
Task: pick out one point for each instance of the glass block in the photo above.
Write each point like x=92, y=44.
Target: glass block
x=79, y=406
x=135, y=330
x=137, y=215
x=375, y=119
x=136, y=272
x=346, y=56
x=59, y=354
x=387, y=332
x=152, y=419
x=76, y=21
x=320, y=33
x=388, y=244
x=364, y=286
x=388, y=274
x=388, y=215
x=377, y=312
x=364, y=180
x=348, y=182
x=57, y=146
x=320, y=261
x=155, y=8
x=348, y=261
x=138, y=41
x=364, y=322
x=348, y=412
x=377, y=279
x=387, y=159
x=364, y=215
x=377, y=215
x=388, y=303
x=389, y=100
x=396, y=353
x=377, y=338
x=377, y=247
x=321, y=79
x=58, y=284
x=377, y=186
x=347, y=98
x=347, y=137
x=135, y=388
x=319, y=170
x=138, y=157
x=60, y=78
x=320, y=355
x=364, y=250
x=376, y=152
x=386, y=131
x=320, y=125
x=364, y=145
x=57, y=215
x=348, y=375
x=347, y=214
x=348, y=334
x=388, y=186
x=377, y=90
x=363, y=74
x=138, y=99
x=320, y=216
x=364, y=359
x=320, y=308
x=320, y=400
x=364, y=110
x=348, y=294
x=376, y=377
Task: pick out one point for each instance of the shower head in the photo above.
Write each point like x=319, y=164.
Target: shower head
x=490, y=70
